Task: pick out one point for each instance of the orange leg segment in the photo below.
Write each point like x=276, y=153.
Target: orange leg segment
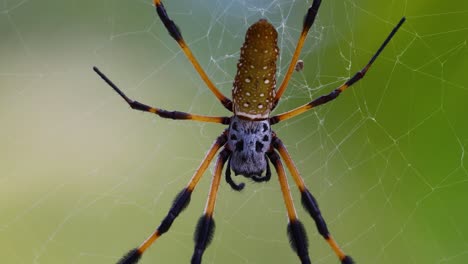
x=206, y=225
x=180, y=203
x=308, y=21
x=177, y=35
x=334, y=94
x=296, y=231
x=176, y=115
x=309, y=202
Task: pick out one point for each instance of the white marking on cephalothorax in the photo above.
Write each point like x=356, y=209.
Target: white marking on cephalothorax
x=250, y=116
x=247, y=80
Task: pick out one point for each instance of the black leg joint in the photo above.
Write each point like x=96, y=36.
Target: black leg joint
x=358, y=76
x=180, y=203
x=221, y=140
x=272, y=155
x=227, y=104
x=276, y=143
x=311, y=14
x=203, y=237
x=173, y=114
x=325, y=98
x=274, y=120
x=310, y=204
x=347, y=260
x=298, y=239
x=131, y=257
x=139, y=106
x=168, y=23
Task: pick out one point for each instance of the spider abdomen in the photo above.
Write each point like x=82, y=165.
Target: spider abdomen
x=254, y=85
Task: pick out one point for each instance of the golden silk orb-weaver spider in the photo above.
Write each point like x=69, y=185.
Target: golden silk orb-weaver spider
x=248, y=145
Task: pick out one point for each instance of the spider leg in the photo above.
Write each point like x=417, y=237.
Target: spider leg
x=309, y=202
x=331, y=96
x=308, y=21
x=161, y=112
x=230, y=181
x=180, y=203
x=206, y=225
x=265, y=178
x=296, y=231
x=177, y=35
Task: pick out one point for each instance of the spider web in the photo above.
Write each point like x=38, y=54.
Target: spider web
x=85, y=179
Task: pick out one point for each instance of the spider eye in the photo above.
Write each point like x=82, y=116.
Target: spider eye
x=240, y=146
x=258, y=146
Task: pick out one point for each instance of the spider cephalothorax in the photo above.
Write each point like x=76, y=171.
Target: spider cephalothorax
x=249, y=141
x=249, y=144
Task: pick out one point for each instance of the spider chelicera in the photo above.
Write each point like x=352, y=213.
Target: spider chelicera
x=249, y=144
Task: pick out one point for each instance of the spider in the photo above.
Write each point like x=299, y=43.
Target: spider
x=248, y=145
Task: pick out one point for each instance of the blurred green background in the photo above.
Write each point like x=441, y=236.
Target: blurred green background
x=84, y=178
